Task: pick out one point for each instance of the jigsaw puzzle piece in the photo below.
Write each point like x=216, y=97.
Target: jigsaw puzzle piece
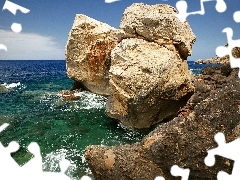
x=7, y=163
x=182, y=6
x=177, y=171
x=12, y=7
x=228, y=150
x=222, y=50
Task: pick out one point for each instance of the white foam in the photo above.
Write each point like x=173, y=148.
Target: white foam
x=86, y=101
x=12, y=85
x=51, y=160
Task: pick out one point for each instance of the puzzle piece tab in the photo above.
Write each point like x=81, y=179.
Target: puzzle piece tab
x=228, y=150
x=5, y=125
x=3, y=47
x=177, y=171
x=12, y=7
x=159, y=178
x=182, y=8
x=236, y=16
x=227, y=50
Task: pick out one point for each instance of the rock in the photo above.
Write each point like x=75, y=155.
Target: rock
x=220, y=60
x=148, y=83
x=88, y=53
x=69, y=95
x=77, y=86
x=3, y=88
x=183, y=141
x=214, y=60
x=158, y=23
x=211, y=79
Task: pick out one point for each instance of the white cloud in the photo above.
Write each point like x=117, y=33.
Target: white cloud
x=29, y=46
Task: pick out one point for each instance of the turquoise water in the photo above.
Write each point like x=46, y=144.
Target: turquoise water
x=36, y=113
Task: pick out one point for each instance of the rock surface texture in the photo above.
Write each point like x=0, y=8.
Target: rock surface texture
x=149, y=78
x=141, y=66
x=88, y=53
x=158, y=23
x=183, y=141
x=148, y=83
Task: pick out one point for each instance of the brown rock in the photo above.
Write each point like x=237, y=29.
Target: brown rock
x=183, y=141
x=69, y=95
x=88, y=53
x=148, y=83
x=158, y=23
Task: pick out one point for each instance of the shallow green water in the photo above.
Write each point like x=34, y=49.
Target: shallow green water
x=36, y=113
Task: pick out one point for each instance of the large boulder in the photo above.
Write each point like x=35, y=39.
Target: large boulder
x=88, y=53
x=148, y=83
x=183, y=141
x=158, y=23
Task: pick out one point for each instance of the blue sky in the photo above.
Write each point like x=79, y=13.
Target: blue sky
x=46, y=26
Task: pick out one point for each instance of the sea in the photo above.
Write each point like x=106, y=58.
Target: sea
x=33, y=106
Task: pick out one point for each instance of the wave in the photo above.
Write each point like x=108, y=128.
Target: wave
x=9, y=86
x=51, y=161
x=86, y=101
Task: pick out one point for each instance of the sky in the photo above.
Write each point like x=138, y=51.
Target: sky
x=45, y=28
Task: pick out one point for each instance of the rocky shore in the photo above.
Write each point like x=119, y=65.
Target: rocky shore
x=141, y=67
x=220, y=60
x=184, y=140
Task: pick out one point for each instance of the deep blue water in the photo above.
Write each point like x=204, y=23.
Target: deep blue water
x=37, y=113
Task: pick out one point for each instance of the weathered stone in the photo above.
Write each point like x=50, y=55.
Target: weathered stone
x=88, y=53
x=148, y=83
x=158, y=23
x=183, y=141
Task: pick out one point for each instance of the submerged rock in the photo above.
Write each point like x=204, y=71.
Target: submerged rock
x=69, y=95
x=158, y=23
x=183, y=141
x=148, y=83
x=88, y=53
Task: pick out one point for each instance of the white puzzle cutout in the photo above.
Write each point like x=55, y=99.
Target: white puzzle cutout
x=177, y=171
x=182, y=6
x=32, y=169
x=236, y=16
x=228, y=150
x=3, y=47
x=16, y=27
x=12, y=7
x=111, y=1
x=227, y=50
